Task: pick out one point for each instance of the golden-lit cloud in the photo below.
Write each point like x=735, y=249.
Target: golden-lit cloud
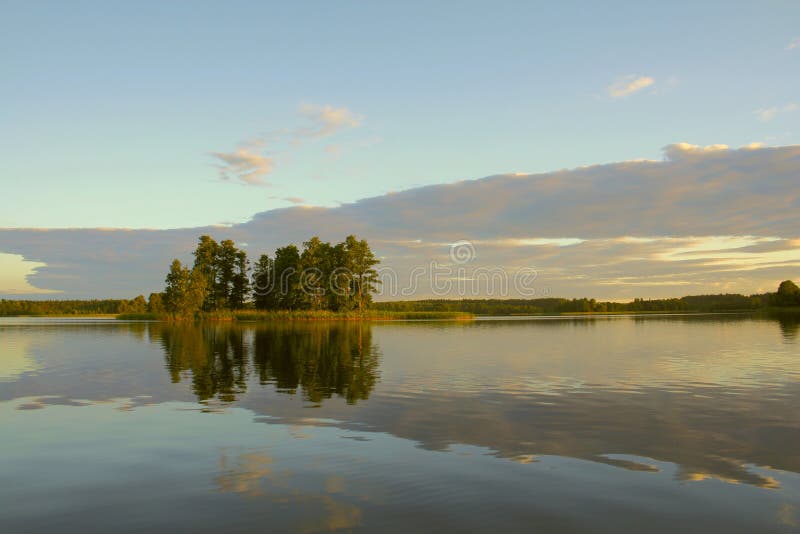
x=244, y=165
x=14, y=274
x=328, y=119
x=678, y=150
x=627, y=85
x=253, y=160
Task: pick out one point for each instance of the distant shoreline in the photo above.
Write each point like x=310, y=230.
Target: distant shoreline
x=251, y=316
x=425, y=309
x=301, y=315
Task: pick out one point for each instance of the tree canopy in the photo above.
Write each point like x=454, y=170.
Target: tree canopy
x=321, y=276
x=788, y=294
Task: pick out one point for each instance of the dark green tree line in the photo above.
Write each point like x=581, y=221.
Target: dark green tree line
x=321, y=276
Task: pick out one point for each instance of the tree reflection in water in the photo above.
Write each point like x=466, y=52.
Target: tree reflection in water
x=319, y=359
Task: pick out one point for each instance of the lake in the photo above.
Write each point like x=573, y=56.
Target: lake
x=591, y=424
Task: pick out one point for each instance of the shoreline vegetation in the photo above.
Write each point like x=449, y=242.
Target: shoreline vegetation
x=430, y=309
x=308, y=315
x=98, y=308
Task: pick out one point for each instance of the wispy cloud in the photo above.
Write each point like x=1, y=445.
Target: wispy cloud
x=328, y=120
x=255, y=159
x=245, y=166
x=767, y=114
x=794, y=43
x=627, y=85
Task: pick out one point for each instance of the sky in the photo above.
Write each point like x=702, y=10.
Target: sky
x=180, y=116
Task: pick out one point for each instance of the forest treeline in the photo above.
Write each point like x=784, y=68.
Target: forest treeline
x=73, y=307
x=787, y=296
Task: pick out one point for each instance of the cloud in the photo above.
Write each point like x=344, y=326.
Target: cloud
x=15, y=273
x=328, y=120
x=704, y=219
x=794, y=43
x=682, y=150
x=767, y=114
x=251, y=162
x=245, y=166
x=627, y=85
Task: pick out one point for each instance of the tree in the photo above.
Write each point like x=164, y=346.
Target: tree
x=340, y=280
x=361, y=262
x=225, y=269
x=265, y=293
x=287, y=278
x=138, y=305
x=205, y=262
x=788, y=294
x=185, y=291
x=315, y=267
x=226, y=272
x=155, y=303
x=240, y=286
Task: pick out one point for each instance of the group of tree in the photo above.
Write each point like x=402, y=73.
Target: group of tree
x=788, y=295
x=221, y=278
x=72, y=307
x=321, y=276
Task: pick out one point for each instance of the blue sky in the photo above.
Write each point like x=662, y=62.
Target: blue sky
x=112, y=112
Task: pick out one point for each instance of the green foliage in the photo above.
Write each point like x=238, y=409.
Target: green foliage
x=788, y=294
x=62, y=307
x=225, y=270
x=316, y=265
x=147, y=316
x=361, y=263
x=697, y=303
x=155, y=303
x=327, y=315
x=185, y=292
x=137, y=305
x=264, y=294
x=240, y=283
x=321, y=277
x=205, y=261
x=286, y=282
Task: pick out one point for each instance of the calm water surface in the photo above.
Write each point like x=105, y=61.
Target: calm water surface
x=619, y=424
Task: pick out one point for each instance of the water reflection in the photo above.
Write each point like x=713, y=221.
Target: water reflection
x=16, y=359
x=716, y=398
x=790, y=325
x=320, y=360
x=713, y=394
x=255, y=475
